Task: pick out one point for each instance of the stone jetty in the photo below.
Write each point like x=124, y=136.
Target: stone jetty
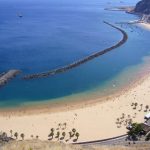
x=81, y=61
x=7, y=76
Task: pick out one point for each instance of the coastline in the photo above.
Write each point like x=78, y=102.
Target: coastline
x=88, y=118
x=144, y=25
x=132, y=76
x=127, y=9
x=73, y=102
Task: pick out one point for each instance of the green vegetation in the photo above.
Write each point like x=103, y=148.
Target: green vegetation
x=135, y=131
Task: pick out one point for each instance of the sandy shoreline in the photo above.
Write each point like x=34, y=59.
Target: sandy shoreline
x=94, y=119
x=144, y=25
x=94, y=122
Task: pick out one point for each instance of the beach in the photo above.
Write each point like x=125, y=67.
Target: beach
x=93, y=122
x=144, y=25
x=77, y=120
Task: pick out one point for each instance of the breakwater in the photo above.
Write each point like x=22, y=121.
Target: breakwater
x=81, y=61
x=6, y=76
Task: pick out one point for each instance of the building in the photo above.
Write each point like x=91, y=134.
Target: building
x=147, y=116
x=146, y=124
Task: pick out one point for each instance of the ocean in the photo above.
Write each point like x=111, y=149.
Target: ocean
x=53, y=33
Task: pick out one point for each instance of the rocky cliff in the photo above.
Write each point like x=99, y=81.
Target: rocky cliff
x=143, y=8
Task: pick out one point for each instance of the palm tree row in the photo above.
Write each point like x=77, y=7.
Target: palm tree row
x=22, y=135
x=134, y=106
x=61, y=136
x=16, y=135
x=125, y=120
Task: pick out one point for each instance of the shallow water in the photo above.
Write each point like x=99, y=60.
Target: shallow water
x=54, y=33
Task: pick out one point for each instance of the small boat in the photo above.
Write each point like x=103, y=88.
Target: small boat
x=20, y=15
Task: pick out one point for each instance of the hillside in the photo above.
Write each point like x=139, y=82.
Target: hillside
x=143, y=7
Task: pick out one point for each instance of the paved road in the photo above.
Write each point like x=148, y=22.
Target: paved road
x=110, y=141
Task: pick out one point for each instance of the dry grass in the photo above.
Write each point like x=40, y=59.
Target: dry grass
x=38, y=145
x=45, y=145
x=133, y=147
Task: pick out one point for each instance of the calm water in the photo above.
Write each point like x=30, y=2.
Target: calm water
x=53, y=33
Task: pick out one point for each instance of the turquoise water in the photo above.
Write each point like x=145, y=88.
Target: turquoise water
x=53, y=33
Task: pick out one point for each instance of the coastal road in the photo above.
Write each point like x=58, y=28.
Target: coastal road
x=111, y=141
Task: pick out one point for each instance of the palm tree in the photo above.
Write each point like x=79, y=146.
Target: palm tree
x=118, y=120
x=123, y=115
x=77, y=137
x=130, y=121
x=63, y=136
x=65, y=124
x=59, y=125
x=135, y=105
x=146, y=108
x=11, y=133
x=51, y=135
x=37, y=137
x=141, y=107
x=52, y=129
x=118, y=126
x=71, y=135
x=57, y=135
x=134, y=115
x=16, y=135
x=32, y=136
x=22, y=136
x=129, y=116
x=73, y=130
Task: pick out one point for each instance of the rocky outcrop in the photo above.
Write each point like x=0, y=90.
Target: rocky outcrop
x=6, y=76
x=143, y=7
